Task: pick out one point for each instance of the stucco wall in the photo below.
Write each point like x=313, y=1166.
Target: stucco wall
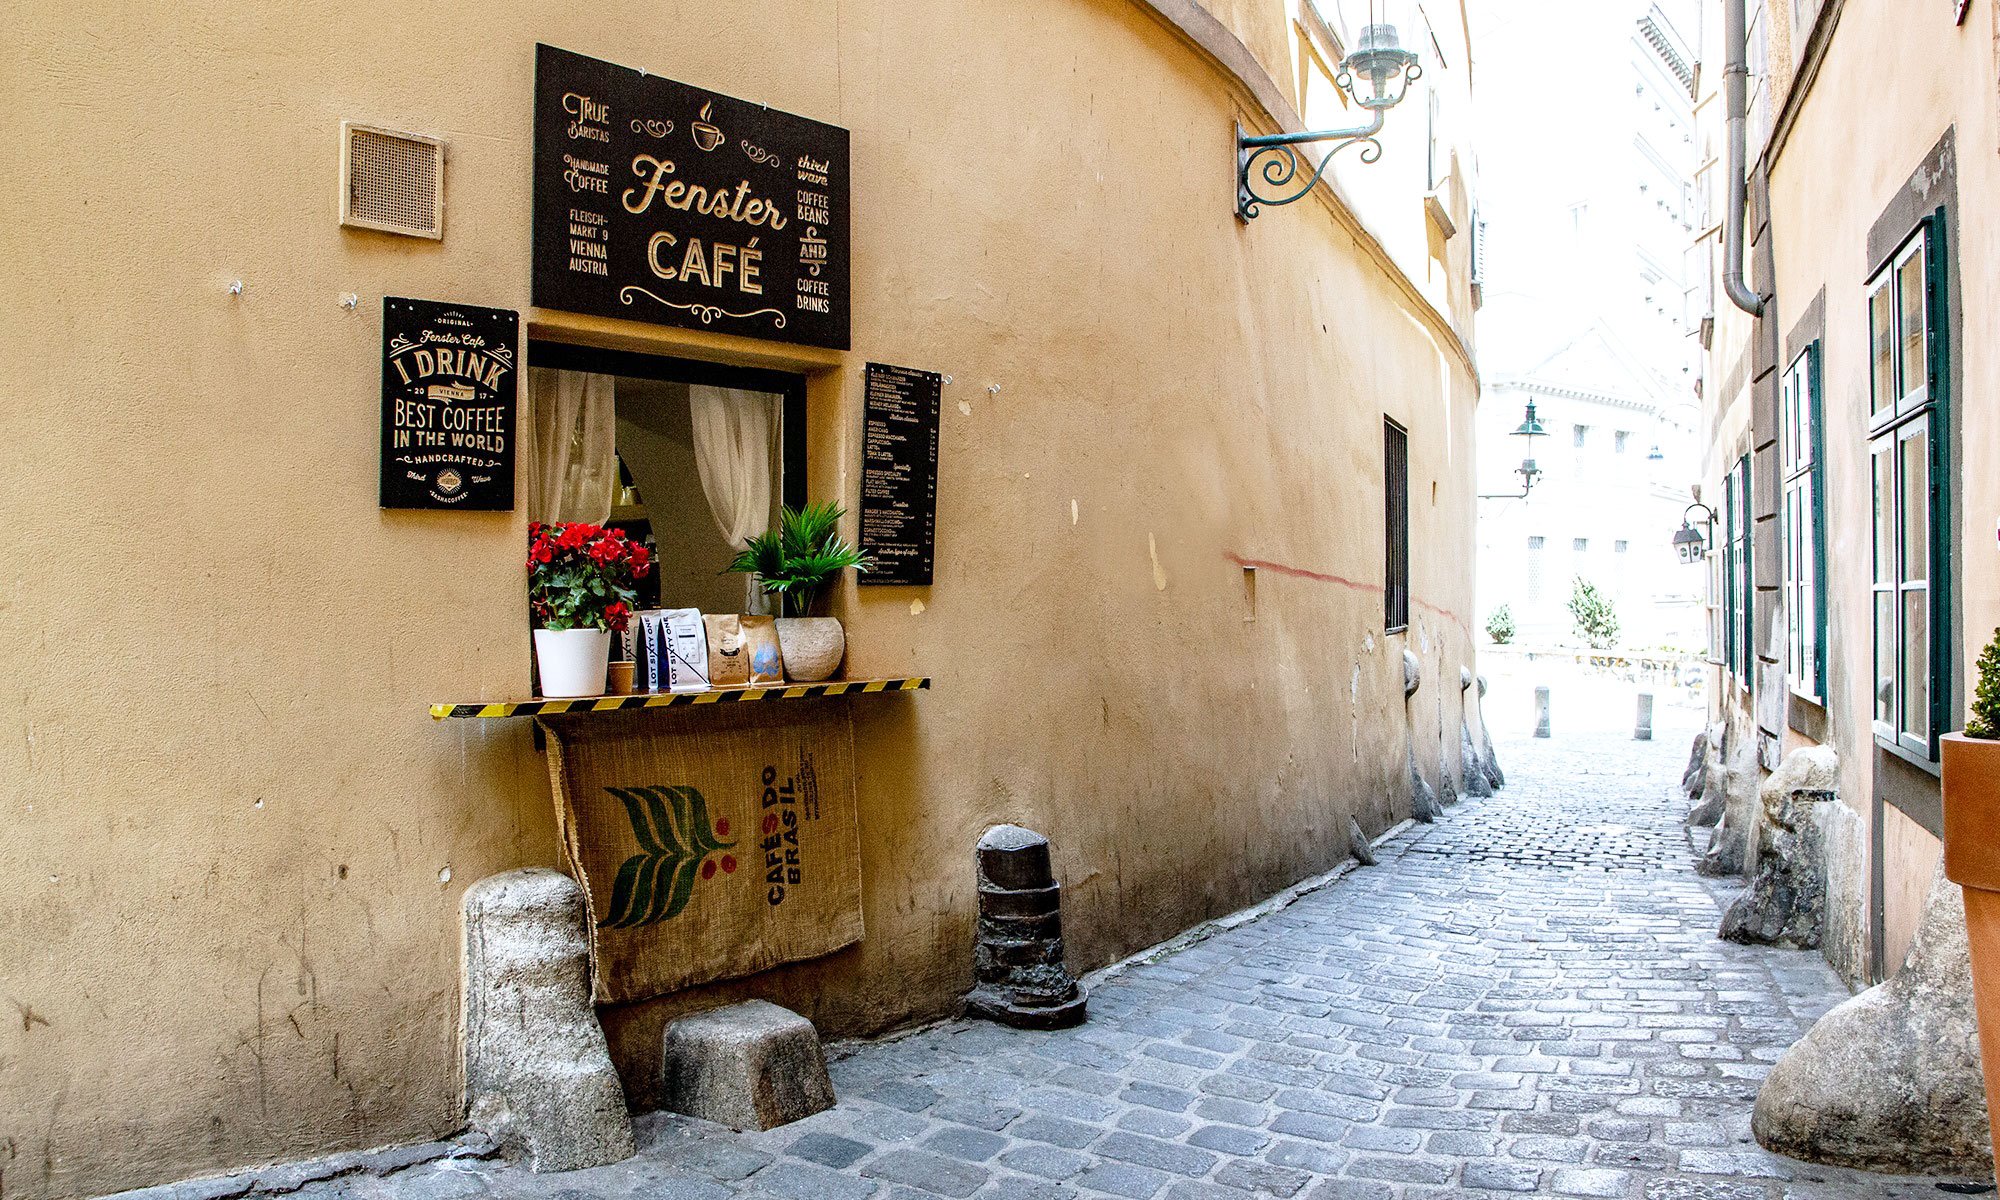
x=237, y=842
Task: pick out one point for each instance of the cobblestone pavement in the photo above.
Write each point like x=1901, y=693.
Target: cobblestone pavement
x=1527, y=997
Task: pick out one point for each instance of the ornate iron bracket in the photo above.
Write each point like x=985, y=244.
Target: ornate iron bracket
x=1275, y=159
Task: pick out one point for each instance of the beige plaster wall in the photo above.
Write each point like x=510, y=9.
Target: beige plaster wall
x=234, y=840
x=1828, y=187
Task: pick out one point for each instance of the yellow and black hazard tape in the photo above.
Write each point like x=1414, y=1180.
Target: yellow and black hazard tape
x=790, y=691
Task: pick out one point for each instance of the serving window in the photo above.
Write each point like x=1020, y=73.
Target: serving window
x=692, y=459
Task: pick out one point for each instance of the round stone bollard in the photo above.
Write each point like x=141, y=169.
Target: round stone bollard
x=1019, y=977
x=1643, y=730
x=1541, y=712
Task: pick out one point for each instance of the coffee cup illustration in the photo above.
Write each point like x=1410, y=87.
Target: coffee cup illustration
x=707, y=136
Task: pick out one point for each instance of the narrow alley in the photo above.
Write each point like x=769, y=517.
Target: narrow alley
x=1525, y=997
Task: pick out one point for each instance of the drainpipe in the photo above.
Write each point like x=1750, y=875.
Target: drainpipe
x=1735, y=90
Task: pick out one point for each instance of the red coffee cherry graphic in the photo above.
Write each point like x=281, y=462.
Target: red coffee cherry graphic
x=729, y=864
x=708, y=870
x=722, y=827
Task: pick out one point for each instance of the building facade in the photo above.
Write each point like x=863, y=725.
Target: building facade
x=1611, y=475
x=1853, y=570
x=1168, y=615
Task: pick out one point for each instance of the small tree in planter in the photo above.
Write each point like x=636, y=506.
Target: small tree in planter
x=581, y=586
x=1972, y=852
x=1985, y=722
x=1596, y=619
x=796, y=562
x=1500, y=625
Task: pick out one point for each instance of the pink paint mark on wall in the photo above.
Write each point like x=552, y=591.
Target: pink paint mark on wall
x=1340, y=581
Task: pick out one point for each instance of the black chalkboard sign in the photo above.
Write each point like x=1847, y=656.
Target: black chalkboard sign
x=657, y=201
x=448, y=390
x=899, y=457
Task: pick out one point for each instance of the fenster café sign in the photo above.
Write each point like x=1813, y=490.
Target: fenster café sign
x=657, y=201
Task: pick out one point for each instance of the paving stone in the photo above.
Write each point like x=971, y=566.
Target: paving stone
x=1152, y=1152
x=945, y=1176
x=1124, y=1179
x=1502, y=1176
x=1228, y=1139
x=800, y=1181
x=1057, y=1131
x=1154, y=1123
x=972, y=1145
x=1048, y=1162
x=1263, y=1178
x=1350, y=1189
x=1590, y=1181
x=829, y=1150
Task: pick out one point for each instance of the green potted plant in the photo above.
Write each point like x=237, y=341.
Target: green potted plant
x=1500, y=625
x=1972, y=853
x=580, y=590
x=795, y=563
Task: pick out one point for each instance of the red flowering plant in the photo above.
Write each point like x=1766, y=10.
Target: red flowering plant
x=582, y=576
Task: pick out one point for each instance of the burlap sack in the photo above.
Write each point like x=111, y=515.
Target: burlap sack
x=713, y=842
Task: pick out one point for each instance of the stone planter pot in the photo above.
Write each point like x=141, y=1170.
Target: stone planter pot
x=1972, y=860
x=812, y=647
x=572, y=661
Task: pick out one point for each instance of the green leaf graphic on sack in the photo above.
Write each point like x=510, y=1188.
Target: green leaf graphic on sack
x=676, y=840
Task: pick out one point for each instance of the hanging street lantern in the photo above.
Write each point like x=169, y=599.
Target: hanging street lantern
x=1529, y=428
x=1690, y=543
x=1376, y=76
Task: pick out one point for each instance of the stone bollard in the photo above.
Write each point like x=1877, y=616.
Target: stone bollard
x=1541, y=712
x=1019, y=977
x=1424, y=804
x=748, y=1066
x=1785, y=904
x=538, y=1073
x=1493, y=773
x=1477, y=782
x=1890, y=1080
x=1643, y=732
x=1358, y=844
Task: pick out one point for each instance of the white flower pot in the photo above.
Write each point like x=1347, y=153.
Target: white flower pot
x=572, y=661
x=811, y=647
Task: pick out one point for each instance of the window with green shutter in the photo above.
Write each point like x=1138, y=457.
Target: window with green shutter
x=1906, y=433
x=1804, y=526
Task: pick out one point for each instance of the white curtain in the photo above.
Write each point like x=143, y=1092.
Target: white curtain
x=733, y=436
x=573, y=447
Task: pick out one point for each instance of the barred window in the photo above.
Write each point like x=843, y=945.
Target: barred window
x=1396, y=524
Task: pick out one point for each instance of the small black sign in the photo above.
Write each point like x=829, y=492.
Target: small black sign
x=657, y=201
x=899, y=456
x=448, y=405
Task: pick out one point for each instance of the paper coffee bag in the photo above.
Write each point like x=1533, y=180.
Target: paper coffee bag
x=682, y=649
x=760, y=640
x=728, y=656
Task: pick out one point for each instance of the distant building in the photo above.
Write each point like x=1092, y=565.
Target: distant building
x=1593, y=297
x=1604, y=504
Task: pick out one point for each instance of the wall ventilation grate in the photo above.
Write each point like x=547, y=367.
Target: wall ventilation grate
x=391, y=181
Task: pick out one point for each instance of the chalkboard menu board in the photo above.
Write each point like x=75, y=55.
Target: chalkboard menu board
x=899, y=456
x=448, y=386
x=657, y=201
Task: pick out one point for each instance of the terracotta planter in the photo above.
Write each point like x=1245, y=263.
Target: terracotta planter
x=1972, y=860
x=811, y=647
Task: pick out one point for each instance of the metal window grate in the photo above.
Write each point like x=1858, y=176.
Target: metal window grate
x=1396, y=524
x=392, y=182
